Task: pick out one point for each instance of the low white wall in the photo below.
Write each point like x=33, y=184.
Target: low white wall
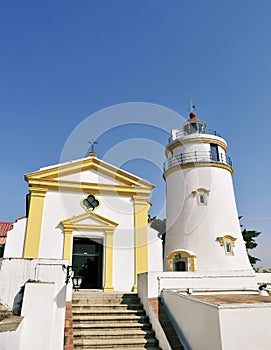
x=157, y=281
x=14, y=273
x=196, y=324
x=205, y=326
x=38, y=312
x=245, y=325
x=10, y=340
x=156, y=326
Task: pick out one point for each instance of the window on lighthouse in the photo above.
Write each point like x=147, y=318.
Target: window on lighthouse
x=202, y=195
x=228, y=248
x=202, y=198
x=228, y=242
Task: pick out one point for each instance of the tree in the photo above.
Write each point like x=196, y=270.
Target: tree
x=249, y=238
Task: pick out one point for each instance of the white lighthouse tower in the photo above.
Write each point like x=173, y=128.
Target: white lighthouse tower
x=203, y=231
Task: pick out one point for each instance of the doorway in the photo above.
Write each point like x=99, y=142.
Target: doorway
x=87, y=262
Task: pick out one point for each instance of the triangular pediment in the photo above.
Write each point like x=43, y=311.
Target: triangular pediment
x=89, y=221
x=87, y=171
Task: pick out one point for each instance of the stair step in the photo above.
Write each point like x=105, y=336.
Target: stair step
x=98, y=312
x=112, y=334
x=133, y=347
x=110, y=343
x=104, y=326
x=111, y=320
x=82, y=306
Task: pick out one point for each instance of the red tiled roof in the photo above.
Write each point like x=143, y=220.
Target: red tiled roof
x=4, y=228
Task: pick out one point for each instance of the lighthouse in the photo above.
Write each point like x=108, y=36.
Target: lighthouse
x=202, y=226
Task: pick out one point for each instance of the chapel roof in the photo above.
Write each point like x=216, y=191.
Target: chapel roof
x=4, y=228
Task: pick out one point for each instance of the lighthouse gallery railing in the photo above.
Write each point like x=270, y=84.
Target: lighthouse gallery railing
x=196, y=156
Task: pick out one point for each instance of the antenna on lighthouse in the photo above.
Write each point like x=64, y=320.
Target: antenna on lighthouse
x=192, y=107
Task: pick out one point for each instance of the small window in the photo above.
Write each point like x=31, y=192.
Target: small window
x=202, y=199
x=90, y=203
x=201, y=194
x=228, y=248
x=228, y=242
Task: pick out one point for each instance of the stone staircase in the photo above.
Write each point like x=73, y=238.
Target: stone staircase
x=110, y=320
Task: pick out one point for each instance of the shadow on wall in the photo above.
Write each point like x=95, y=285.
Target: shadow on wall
x=60, y=298
x=18, y=302
x=168, y=328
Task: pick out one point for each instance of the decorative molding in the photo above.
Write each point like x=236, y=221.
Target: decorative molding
x=104, y=223
x=177, y=143
x=85, y=164
x=201, y=190
x=225, y=238
x=87, y=187
x=197, y=165
x=184, y=254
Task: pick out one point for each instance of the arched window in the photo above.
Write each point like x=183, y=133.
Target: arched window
x=228, y=242
x=201, y=194
x=182, y=260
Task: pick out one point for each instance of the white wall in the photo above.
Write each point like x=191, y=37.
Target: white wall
x=205, y=326
x=248, y=326
x=196, y=324
x=38, y=311
x=155, y=251
x=14, y=273
x=224, y=280
x=60, y=206
x=15, y=240
x=156, y=326
x=10, y=340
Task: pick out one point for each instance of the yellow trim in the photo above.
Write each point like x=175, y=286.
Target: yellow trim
x=72, y=223
x=105, y=225
x=33, y=231
x=222, y=240
x=198, y=165
x=141, y=207
x=85, y=164
x=177, y=143
x=201, y=190
x=67, y=246
x=192, y=258
x=87, y=187
x=108, y=282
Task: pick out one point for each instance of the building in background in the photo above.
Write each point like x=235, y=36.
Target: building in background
x=4, y=228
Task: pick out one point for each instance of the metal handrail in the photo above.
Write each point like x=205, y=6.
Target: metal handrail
x=196, y=156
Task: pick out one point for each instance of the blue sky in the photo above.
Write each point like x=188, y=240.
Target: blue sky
x=62, y=61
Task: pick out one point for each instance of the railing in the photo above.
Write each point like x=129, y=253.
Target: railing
x=196, y=156
x=180, y=134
